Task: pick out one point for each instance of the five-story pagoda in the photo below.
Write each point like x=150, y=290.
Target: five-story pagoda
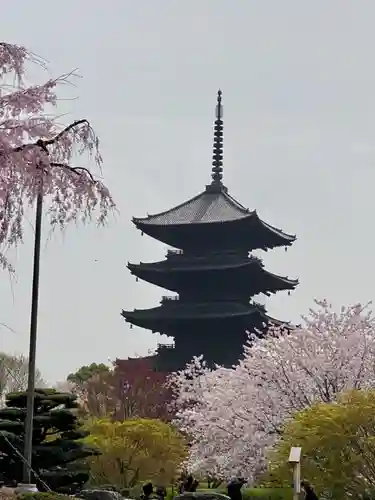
x=211, y=271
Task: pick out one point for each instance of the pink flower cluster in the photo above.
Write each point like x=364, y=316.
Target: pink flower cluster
x=235, y=415
x=36, y=153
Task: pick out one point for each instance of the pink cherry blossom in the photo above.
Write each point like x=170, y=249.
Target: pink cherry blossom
x=234, y=415
x=36, y=153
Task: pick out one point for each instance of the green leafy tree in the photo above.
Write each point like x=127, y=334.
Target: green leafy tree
x=338, y=446
x=135, y=450
x=86, y=372
x=58, y=450
x=93, y=385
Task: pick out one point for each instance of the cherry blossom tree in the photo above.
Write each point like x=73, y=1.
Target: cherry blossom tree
x=235, y=415
x=36, y=153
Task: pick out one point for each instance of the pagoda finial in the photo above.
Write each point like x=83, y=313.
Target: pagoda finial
x=217, y=163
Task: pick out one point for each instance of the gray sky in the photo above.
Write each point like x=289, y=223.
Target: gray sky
x=298, y=81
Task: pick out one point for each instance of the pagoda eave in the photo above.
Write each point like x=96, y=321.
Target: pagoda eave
x=175, y=314
x=254, y=278
x=249, y=231
x=164, y=267
x=196, y=266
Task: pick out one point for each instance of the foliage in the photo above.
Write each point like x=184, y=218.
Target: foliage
x=100, y=494
x=94, y=388
x=251, y=493
x=130, y=388
x=247, y=494
x=267, y=493
x=235, y=415
x=86, y=372
x=142, y=390
x=338, y=443
x=14, y=374
x=7, y=494
x=134, y=450
x=201, y=495
x=36, y=153
x=97, y=396
x=48, y=495
x=57, y=446
x=90, y=384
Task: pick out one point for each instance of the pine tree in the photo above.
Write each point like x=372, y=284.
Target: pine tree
x=58, y=451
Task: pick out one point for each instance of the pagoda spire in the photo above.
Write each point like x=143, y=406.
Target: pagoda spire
x=217, y=158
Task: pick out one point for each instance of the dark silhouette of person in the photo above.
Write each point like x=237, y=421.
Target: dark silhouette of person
x=181, y=482
x=148, y=490
x=160, y=492
x=194, y=486
x=309, y=491
x=189, y=485
x=234, y=488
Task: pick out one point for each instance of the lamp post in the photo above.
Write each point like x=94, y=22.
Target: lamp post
x=28, y=445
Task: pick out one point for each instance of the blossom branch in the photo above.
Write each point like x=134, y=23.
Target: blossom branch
x=29, y=143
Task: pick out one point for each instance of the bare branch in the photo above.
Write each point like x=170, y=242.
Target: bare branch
x=75, y=170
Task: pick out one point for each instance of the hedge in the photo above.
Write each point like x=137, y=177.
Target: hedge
x=50, y=495
x=249, y=493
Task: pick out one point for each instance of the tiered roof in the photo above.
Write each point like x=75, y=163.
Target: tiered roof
x=173, y=312
x=177, y=271
x=213, y=207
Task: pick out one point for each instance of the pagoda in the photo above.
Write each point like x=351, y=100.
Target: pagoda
x=211, y=271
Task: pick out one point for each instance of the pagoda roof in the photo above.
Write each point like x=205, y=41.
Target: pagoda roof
x=205, y=207
x=169, y=315
x=193, y=311
x=214, y=205
x=205, y=264
x=200, y=220
x=165, y=273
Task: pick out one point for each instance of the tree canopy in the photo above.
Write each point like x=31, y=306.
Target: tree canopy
x=36, y=152
x=57, y=448
x=234, y=415
x=86, y=372
x=135, y=450
x=338, y=446
x=129, y=388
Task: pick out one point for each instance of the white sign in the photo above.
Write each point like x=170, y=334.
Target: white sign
x=295, y=459
x=295, y=455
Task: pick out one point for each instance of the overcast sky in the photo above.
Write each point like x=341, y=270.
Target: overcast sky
x=298, y=81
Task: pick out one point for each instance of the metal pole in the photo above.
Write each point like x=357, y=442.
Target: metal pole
x=296, y=481
x=32, y=346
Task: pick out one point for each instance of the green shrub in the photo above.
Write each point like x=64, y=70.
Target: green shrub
x=50, y=495
x=107, y=487
x=248, y=493
x=267, y=493
x=262, y=493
